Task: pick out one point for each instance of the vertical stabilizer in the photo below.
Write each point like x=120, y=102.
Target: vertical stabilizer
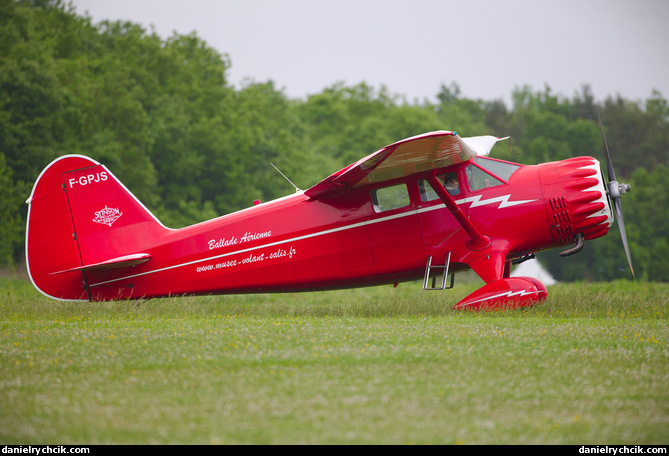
x=81, y=217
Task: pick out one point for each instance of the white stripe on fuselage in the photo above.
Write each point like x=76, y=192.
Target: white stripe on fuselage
x=476, y=201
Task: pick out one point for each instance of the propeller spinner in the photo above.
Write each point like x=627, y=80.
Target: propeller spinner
x=616, y=190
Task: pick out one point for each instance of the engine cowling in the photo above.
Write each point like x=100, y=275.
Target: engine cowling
x=576, y=199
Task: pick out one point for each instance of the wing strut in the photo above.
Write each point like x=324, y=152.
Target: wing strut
x=478, y=241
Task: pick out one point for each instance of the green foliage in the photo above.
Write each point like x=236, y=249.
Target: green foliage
x=10, y=228
x=348, y=123
x=162, y=116
x=646, y=216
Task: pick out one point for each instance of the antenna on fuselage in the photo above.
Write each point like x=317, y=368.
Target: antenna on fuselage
x=284, y=176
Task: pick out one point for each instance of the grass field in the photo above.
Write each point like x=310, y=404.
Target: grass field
x=371, y=366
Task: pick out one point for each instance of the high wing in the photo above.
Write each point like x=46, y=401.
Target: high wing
x=437, y=149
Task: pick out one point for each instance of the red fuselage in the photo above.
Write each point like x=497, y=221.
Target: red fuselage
x=297, y=243
x=111, y=247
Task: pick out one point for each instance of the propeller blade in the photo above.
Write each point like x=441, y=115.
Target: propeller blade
x=615, y=191
x=623, y=234
x=609, y=164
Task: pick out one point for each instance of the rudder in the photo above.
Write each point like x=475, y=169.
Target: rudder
x=81, y=217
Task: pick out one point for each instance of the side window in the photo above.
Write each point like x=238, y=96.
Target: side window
x=451, y=184
x=479, y=179
x=448, y=180
x=388, y=198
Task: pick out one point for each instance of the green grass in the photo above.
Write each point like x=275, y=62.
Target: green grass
x=371, y=366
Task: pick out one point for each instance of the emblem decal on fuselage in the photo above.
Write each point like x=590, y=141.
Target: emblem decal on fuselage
x=107, y=216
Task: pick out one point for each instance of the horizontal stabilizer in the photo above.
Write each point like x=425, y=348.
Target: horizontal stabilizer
x=120, y=262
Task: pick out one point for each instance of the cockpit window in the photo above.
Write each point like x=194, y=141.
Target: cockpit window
x=500, y=169
x=388, y=198
x=479, y=179
x=449, y=181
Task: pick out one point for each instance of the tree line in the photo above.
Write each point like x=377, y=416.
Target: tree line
x=163, y=116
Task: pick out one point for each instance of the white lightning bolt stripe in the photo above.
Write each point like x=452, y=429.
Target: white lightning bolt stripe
x=508, y=294
x=502, y=200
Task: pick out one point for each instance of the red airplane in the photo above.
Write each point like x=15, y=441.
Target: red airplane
x=424, y=208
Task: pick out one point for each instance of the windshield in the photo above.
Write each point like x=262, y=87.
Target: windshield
x=500, y=169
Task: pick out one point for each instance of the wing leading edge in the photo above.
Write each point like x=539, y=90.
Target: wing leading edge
x=433, y=150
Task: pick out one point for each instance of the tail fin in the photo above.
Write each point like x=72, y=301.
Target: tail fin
x=81, y=218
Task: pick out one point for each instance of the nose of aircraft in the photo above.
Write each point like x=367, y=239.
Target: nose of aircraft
x=577, y=203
